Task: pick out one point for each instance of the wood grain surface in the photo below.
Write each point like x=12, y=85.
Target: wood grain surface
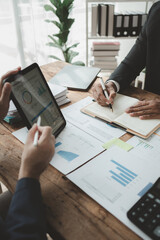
x=71, y=214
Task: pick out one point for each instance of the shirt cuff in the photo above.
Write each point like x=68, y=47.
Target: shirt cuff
x=25, y=183
x=116, y=83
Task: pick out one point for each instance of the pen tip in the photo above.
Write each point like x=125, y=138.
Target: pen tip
x=110, y=105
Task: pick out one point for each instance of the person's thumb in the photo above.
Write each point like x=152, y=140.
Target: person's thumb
x=6, y=91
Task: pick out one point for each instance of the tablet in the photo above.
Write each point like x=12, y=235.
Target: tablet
x=75, y=77
x=33, y=98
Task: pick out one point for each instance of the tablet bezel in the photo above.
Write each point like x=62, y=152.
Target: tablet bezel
x=19, y=108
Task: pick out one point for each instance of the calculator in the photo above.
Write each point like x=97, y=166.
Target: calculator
x=145, y=214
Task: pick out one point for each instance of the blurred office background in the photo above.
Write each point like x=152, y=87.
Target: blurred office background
x=24, y=33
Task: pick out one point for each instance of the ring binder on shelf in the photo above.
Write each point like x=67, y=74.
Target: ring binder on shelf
x=118, y=20
x=134, y=24
x=126, y=25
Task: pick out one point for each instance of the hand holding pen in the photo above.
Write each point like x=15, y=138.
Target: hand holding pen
x=106, y=93
x=36, y=159
x=99, y=96
x=35, y=142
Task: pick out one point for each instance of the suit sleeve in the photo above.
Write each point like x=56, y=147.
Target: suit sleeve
x=134, y=62
x=25, y=219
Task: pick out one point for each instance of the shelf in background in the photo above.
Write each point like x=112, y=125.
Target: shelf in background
x=88, y=34
x=116, y=1
x=111, y=37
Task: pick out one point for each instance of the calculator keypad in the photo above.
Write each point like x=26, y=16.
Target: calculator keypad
x=146, y=213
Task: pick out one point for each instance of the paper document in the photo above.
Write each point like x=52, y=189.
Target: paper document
x=73, y=148
x=12, y=107
x=116, y=180
x=21, y=134
x=148, y=149
x=142, y=128
x=57, y=90
x=154, y=140
x=60, y=93
x=95, y=127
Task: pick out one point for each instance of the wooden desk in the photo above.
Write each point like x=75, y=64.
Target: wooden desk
x=70, y=212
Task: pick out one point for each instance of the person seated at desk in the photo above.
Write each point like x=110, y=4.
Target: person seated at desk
x=25, y=218
x=144, y=54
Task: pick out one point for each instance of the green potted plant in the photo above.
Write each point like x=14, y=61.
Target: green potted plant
x=62, y=9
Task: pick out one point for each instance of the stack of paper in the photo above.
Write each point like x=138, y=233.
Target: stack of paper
x=59, y=92
x=12, y=115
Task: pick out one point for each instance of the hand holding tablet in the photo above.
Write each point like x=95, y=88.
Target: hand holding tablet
x=33, y=98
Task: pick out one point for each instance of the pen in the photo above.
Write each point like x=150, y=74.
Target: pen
x=105, y=93
x=35, y=142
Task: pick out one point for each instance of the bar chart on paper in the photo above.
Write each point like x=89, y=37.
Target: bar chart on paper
x=69, y=156
x=147, y=149
x=73, y=148
x=109, y=176
x=121, y=174
x=116, y=180
x=144, y=145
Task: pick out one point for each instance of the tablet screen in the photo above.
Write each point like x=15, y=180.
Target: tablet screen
x=34, y=98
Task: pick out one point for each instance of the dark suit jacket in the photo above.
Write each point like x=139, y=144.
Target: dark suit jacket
x=144, y=53
x=25, y=219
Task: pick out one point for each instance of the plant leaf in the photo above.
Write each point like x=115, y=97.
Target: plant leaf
x=55, y=3
x=62, y=8
x=53, y=45
x=68, y=23
x=47, y=20
x=68, y=3
x=79, y=63
x=70, y=55
x=73, y=46
x=52, y=56
x=59, y=25
x=49, y=8
x=54, y=40
x=62, y=13
x=63, y=36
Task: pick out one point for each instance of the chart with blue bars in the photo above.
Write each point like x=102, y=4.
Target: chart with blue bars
x=121, y=174
x=69, y=156
x=144, y=145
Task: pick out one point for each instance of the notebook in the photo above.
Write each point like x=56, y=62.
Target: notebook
x=76, y=77
x=134, y=125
